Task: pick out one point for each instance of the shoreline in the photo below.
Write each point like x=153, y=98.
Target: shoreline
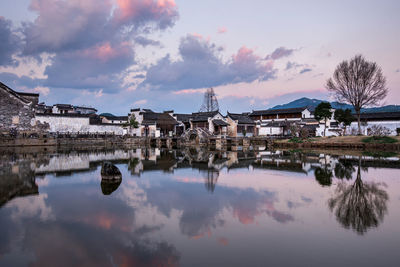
x=215, y=143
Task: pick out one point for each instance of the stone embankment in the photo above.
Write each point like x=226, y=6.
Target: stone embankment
x=213, y=143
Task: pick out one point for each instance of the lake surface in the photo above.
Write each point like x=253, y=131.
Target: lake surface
x=199, y=208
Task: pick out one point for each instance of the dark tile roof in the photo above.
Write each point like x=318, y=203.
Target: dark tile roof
x=116, y=118
x=277, y=111
x=27, y=94
x=203, y=116
x=242, y=119
x=220, y=123
x=14, y=93
x=150, y=118
x=277, y=124
x=380, y=116
x=80, y=107
x=64, y=106
x=183, y=117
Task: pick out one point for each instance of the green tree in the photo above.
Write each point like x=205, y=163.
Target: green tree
x=323, y=112
x=358, y=82
x=345, y=117
x=133, y=123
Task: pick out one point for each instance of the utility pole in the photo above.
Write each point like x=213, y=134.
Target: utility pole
x=210, y=102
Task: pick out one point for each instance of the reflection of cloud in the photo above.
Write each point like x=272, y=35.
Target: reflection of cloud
x=223, y=241
x=67, y=243
x=29, y=207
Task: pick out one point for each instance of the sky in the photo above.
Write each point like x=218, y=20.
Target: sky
x=115, y=55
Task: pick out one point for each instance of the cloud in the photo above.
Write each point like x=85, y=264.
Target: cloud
x=398, y=70
x=92, y=68
x=305, y=70
x=293, y=65
x=9, y=43
x=140, y=102
x=201, y=66
x=163, y=13
x=91, y=43
x=222, y=30
x=143, y=41
x=66, y=25
x=280, y=52
x=42, y=90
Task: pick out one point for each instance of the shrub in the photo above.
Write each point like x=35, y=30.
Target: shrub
x=295, y=140
x=304, y=133
x=379, y=140
x=378, y=130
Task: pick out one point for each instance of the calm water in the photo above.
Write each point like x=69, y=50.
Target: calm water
x=197, y=208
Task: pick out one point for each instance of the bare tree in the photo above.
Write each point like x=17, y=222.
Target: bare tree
x=358, y=82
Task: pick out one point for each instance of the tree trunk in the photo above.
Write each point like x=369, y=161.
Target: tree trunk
x=358, y=121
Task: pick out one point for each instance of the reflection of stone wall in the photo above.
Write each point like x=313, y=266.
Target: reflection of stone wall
x=16, y=179
x=14, y=113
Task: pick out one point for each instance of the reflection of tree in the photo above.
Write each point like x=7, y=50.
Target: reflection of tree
x=359, y=206
x=211, y=180
x=344, y=170
x=323, y=176
x=133, y=162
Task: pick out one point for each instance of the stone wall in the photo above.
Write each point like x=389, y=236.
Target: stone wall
x=14, y=113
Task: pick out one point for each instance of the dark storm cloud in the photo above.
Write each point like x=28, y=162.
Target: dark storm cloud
x=9, y=43
x=201, y=66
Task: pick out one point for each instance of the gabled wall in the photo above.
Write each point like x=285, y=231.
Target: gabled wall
x=15, y=113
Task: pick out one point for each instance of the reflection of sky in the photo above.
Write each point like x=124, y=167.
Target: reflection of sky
x=254, y=217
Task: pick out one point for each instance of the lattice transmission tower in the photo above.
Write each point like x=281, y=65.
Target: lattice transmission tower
x=210, y=102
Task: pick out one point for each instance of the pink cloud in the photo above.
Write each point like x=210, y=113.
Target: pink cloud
x=163, y=11
x=245, y=54
x=106, y=52
x=222, y=30
x=189, y=91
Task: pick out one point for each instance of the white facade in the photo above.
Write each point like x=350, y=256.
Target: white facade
x=391, y=125
x=65, y=124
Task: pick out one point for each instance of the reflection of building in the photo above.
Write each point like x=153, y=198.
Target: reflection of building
x=16, y=180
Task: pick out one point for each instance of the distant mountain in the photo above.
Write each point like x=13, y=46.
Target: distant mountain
x=107, y=115
x=312, y=103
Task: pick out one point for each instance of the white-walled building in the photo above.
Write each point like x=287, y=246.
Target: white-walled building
x=389, y=120
x=277, y=121
x=213, y=122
